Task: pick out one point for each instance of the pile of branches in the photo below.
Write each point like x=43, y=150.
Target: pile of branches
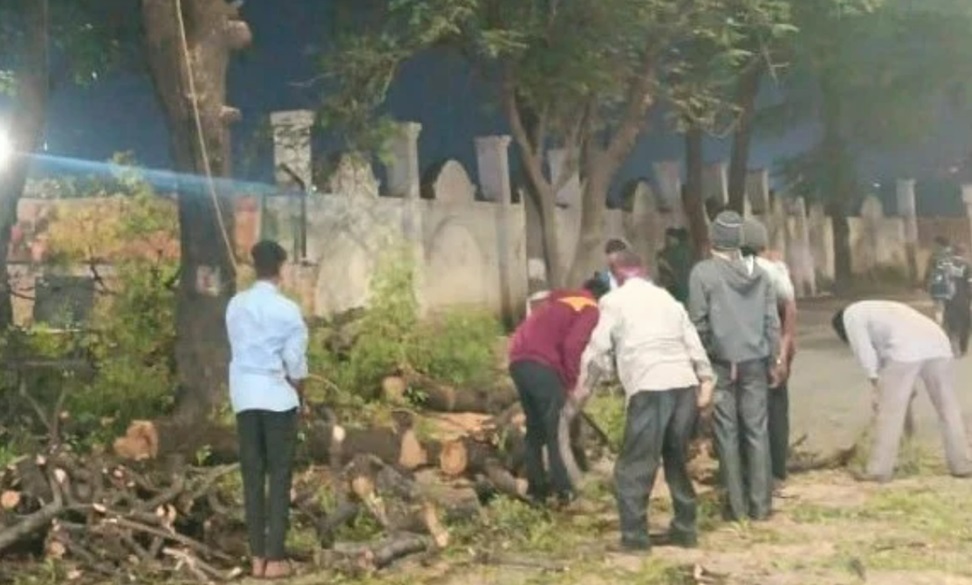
x=108, y=518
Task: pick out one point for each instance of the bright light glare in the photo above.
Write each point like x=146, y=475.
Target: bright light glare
x=6, y=148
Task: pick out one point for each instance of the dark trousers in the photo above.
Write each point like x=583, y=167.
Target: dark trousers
x=778, y=425
x=267, y=443
x=542, y=396
x=958, y=324
x=742, y=439
x=659, y=425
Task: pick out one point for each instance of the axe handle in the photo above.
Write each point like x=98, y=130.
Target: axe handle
x=601, y=435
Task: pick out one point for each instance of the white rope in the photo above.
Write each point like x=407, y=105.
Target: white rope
x=207, y=168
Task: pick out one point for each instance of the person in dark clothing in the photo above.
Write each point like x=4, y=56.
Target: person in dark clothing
x=938, y=277
x=733, y=306
x=268, y=343
x=545, y=355
x=755, y=243
x=958, y=309
x=675, y=263
x=612, y=249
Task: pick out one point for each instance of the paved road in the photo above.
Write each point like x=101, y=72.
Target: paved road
x=829, y=395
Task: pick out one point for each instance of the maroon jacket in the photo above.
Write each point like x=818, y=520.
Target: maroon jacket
x=556, y=333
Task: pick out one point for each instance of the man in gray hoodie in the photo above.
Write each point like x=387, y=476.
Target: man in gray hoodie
x=733, y=307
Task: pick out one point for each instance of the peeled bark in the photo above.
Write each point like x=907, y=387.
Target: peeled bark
x=27, y=120
x=199, y=147
x=746, y=93
x=692, y=197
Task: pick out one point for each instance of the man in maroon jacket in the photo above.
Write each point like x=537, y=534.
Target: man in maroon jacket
x=545, y=356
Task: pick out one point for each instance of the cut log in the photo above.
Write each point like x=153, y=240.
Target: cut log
x=446, y=398
x=394, y=390
x=323, y=443
x=359, y=560
x=146, y=440
x=394, y=500
x=465, y=457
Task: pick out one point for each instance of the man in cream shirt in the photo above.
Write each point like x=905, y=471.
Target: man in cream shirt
x=666, y=377
x=896, y=345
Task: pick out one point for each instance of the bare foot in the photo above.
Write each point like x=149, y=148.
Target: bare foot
x=259, y=566
x=277, y=570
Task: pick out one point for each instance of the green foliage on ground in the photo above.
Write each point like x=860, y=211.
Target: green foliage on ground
x=130, y=337
x=455, y=347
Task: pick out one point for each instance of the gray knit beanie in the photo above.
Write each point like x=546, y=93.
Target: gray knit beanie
x=726, y=231
x=754, y=235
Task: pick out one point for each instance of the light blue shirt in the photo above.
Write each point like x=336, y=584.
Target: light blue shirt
x=268, y=341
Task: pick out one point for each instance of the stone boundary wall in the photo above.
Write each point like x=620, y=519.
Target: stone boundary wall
x=477, y=245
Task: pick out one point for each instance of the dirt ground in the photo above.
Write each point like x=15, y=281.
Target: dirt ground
x=827, y=529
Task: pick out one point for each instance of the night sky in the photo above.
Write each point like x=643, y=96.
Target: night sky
x=119, y=113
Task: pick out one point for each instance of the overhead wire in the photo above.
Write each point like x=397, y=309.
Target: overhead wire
x=204, y=151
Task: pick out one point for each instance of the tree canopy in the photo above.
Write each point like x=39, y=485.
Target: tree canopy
x=582, y=76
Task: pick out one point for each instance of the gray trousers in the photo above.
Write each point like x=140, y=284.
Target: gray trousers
x=658, y=426
x=742, y=439
x=896, y=384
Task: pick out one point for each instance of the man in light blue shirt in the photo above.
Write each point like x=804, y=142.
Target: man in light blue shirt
x=268, y=341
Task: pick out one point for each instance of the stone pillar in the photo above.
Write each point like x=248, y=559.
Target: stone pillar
x=909, y=215
x=821, y=241
x=294, y=170
x=493, y=158
x=668, y=174
x=493, y=161
x=757, y=193
x=404, y=177
x=292, y=148
x=715, y=186
x=799, y=254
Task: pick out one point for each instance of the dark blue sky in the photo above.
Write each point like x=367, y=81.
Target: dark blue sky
x=120, y=112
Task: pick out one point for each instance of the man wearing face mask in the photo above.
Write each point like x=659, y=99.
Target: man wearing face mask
x=666, y=377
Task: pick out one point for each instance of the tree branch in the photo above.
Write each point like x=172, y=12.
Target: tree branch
x=532, y=160
x=634, y=116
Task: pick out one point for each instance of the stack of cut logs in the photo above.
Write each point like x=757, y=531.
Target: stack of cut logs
x=146, y=510
x=167, y=500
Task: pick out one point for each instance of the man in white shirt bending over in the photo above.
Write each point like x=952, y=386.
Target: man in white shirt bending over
x=896, y=345
x=666, y=377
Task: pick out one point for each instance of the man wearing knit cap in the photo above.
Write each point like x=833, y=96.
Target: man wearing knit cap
x=754, y=249
x=734, y=310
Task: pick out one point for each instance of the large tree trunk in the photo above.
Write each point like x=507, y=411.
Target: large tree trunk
x=590, y=244
x=746, y=92
x=546, y=201
x=200, y=146
x=692, y=197
x=843, y=273
x=27, y=120
x=839, y=182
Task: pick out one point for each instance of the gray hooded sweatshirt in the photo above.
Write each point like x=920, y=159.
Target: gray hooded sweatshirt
x=733, y=307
